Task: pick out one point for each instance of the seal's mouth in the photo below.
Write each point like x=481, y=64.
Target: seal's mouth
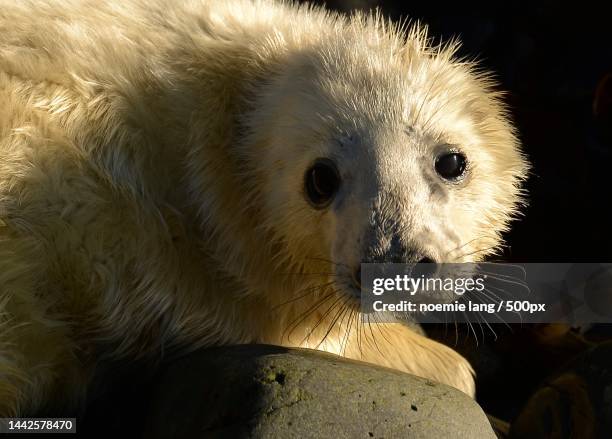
x=356, y=291
x=356, y=279
x=349, y=285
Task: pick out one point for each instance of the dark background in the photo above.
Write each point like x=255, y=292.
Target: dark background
x=550, y=58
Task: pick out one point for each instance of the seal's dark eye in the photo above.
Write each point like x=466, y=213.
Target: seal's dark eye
x=322, y=182
x=451, y=165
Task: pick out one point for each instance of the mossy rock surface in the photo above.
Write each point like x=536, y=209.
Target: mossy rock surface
x=260, y=391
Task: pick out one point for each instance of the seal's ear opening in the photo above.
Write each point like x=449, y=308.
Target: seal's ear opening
x=602, y=108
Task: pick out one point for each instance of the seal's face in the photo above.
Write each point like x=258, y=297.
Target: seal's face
x=389, y=156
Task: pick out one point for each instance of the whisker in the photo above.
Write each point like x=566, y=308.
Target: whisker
x=372, y=333
x=469, y=242
x=484, y=320
x=475, y=252
x=496, y=314
x=507, y=264
x=471, y=327
x=378, y=324
x=309, y=291
x=322, y=318
x=296, y=322
x=359, y=325
x=328, y=261
x=499, y=276
x=506, y=279
x=492, y=299
x=348, y=332
x=340, y=312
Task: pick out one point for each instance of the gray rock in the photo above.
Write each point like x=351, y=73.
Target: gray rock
x=271, y=392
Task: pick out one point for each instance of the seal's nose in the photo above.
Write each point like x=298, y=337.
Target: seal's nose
x=425, y=266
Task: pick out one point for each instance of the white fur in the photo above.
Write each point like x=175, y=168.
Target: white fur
x=152, y=156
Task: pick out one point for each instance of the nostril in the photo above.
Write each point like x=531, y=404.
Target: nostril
x=357, y=277
x=425, y=267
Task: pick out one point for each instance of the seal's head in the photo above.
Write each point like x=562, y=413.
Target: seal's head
x=383, y=149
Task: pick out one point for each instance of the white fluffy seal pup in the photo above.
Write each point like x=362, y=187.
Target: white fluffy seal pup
x=197, y=172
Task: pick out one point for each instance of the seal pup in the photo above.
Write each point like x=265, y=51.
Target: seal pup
x=183, y=174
